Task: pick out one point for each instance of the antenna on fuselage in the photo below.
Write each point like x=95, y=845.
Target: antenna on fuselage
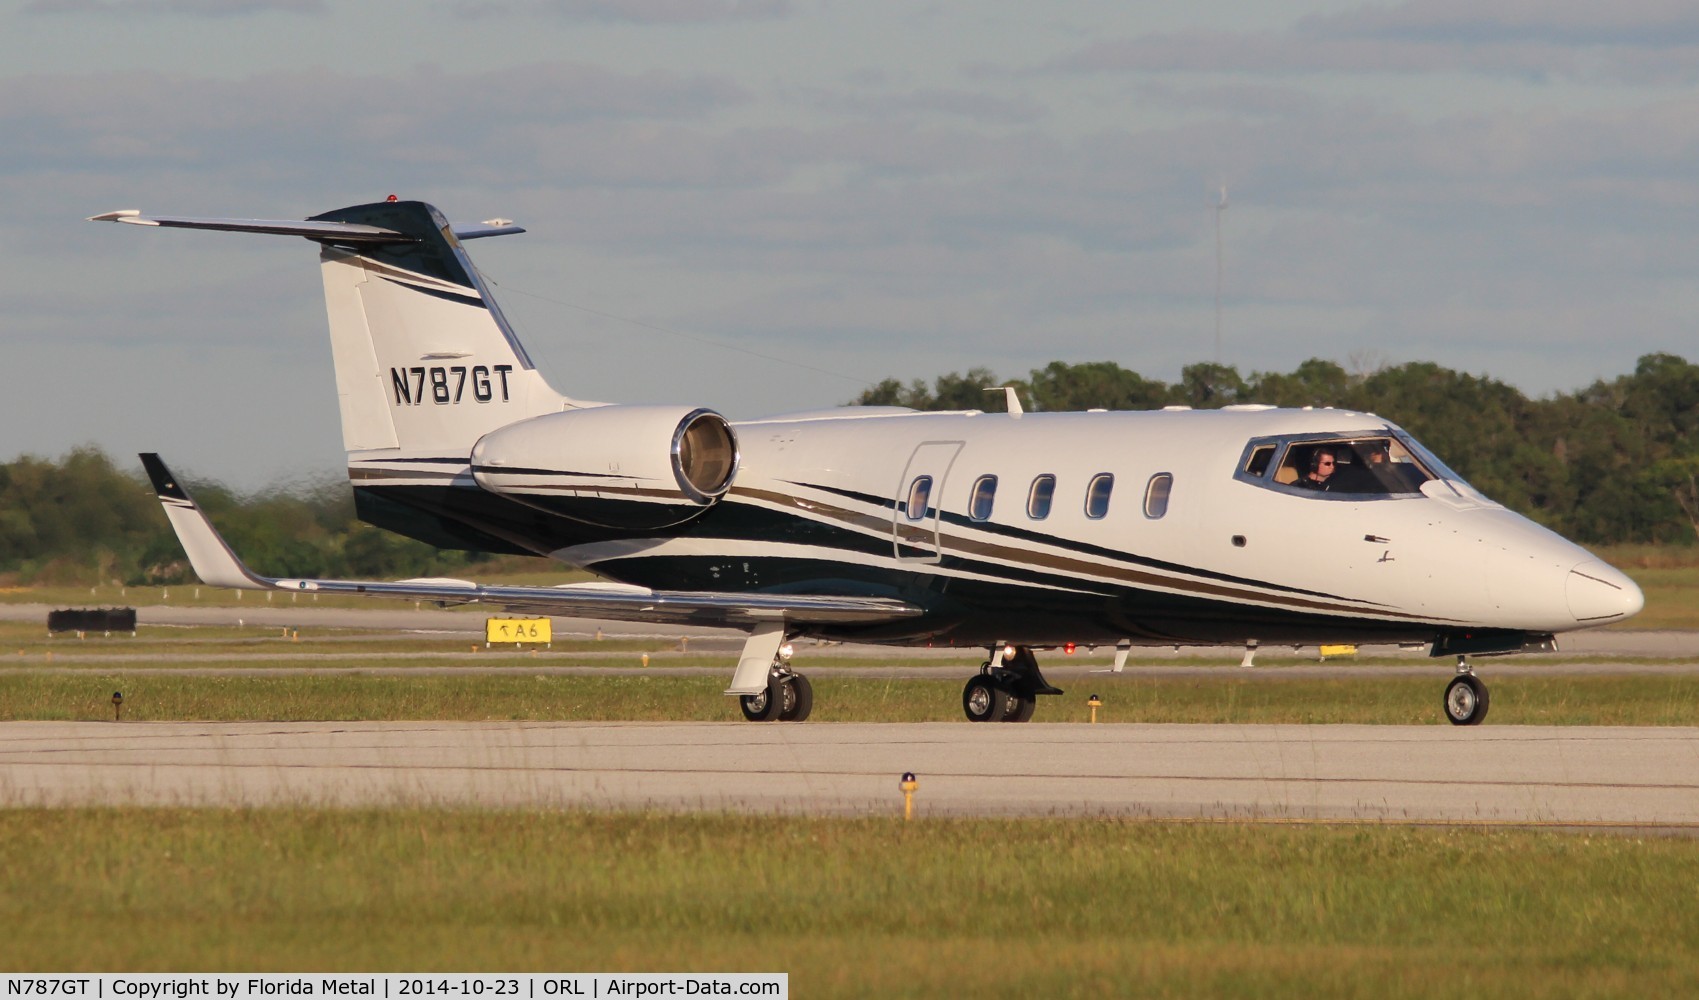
x=1010, y=397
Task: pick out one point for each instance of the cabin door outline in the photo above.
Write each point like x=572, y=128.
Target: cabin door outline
x=918, y=539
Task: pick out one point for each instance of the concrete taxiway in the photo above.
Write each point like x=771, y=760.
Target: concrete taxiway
x=1568, y=776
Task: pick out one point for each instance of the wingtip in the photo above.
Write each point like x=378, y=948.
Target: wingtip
x=165, y=485
x=130, y=215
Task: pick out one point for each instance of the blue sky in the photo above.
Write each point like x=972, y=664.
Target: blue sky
x=861, y=189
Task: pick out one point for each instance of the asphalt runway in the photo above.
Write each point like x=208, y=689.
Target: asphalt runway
x=1558, y=776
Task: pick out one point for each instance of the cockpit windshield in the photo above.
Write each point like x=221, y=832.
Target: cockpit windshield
x=1359, y=466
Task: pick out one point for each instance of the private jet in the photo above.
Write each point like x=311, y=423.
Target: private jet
x=1011, y=532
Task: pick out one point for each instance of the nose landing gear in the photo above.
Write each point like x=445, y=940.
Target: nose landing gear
x=1465, y=697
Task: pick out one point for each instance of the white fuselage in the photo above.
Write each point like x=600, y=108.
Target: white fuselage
x=831, y=493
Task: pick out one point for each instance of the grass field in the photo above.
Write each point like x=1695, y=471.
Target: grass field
x=848, y=907
x=858, y=908
x=1628, y=700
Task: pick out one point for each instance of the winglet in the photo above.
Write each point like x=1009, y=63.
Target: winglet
x=213, y=560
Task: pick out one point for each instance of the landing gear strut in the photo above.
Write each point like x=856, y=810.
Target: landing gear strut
x=788, y=696
x=1465, y=697
x=1006, y=688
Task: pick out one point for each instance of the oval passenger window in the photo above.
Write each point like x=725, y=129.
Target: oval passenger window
x=1097, y=495
x=918, y=494
x=1156, y=495
x=1038, y=499
x=984, y=495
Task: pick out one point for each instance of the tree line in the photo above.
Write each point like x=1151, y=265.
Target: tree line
x=1615, y=462
x=83, y=520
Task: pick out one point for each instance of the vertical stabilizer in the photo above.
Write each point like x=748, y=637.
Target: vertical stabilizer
x=425, y=361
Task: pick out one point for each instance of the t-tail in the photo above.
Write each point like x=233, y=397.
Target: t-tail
x=426, y=363
x=426, y=367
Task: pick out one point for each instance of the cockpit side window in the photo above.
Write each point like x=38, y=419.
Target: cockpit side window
x=1257, y=463
x=1358, y=467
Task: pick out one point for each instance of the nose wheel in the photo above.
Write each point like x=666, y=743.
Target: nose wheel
x=1465, y=700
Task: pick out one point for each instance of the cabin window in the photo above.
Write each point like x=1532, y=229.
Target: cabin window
x=984, y=494
x=919, y=492
x=1156, y=495
x=1097, y=495
x=1038, y=498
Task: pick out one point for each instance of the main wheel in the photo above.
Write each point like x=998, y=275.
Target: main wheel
x=1466, y=700
x=799, y=699
x=1023, y=708
x=983, y=700
x=764, y=707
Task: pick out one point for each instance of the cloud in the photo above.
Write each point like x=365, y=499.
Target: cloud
x=967, y=105
x=189, y=8
x=649, y=12
x=903, y=233
x=1572, y=23
x=278, y=124
x=1637, y=42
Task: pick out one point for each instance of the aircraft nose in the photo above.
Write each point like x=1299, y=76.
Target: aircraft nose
x=1598, y=593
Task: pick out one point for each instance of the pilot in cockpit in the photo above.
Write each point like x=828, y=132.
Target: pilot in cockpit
x=1318, y=474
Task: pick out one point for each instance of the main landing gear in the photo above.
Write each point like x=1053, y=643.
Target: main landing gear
x=788, y=696
x=1006, y=687
x=1466, y=696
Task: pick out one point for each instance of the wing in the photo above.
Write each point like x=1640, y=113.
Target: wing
x=218, y=566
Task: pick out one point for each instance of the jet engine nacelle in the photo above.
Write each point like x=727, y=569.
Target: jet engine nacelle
x=642, y=467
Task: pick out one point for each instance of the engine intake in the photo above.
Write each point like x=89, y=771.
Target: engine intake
x=640, y=467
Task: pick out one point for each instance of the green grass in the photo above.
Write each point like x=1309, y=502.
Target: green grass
x=1669, y=577
x=1629, y=700
x=1672, y=597
x=858, y=907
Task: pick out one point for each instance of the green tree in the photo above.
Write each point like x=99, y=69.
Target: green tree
x=1059, y=387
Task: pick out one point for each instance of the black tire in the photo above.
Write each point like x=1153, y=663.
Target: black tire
x=1466, y=700
x=799, y=703
x=983, y=700
x=1025, y=705
x=764, y=707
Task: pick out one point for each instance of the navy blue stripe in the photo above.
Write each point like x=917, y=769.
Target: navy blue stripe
x=1087, y=548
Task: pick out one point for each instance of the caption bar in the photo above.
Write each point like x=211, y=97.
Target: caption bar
x=436, y=986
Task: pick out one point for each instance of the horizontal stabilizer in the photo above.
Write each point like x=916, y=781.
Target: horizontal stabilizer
x=218, y=566
x=328, y=231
